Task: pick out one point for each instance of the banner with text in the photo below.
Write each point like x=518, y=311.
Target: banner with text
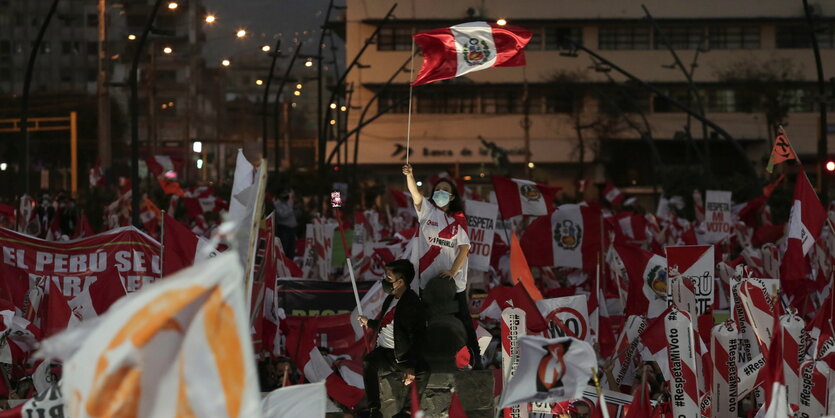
x=481, y=223
x=718, y=222
x=300, y=297
x=695, y=262
x=91, y=273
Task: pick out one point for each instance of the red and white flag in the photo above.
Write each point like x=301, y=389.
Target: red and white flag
x=181, y=246
x=612, y=194
x=647, y=280
x=813, y=388
x=569, y=237
x=804, y=226
x=161, y=164
x=523, y=197
x=472, y=46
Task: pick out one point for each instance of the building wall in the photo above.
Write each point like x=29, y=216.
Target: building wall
x=444, y=138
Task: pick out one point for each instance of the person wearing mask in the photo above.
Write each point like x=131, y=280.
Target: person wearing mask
x=285, y=222
x=399, y=330
x=442, y=246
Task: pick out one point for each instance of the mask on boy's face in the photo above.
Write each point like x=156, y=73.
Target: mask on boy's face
x=388, y=286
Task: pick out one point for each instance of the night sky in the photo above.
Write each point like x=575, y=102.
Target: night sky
x=265, y=21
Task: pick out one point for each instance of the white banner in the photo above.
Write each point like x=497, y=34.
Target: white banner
x=513, y=327
x=695, y=262
x=572, y=313
x=718, y=221
x=481, y=224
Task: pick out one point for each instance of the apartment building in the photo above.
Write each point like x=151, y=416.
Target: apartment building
x=583, y=120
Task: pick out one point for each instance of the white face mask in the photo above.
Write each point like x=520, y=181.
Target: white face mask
x=441, y=197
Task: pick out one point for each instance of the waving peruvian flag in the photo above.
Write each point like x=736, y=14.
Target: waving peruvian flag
x=568, y=237
x=473, y=46
x=523, y=197
x=804, y=226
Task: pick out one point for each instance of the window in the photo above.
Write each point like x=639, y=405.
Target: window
x=681, y=94
x=562, y=101
x=167, y=75
x=799, y=100
x=680, y=37
x=535, y=44
x=397, y=98
x=66, y=75
x=446, y=102
x=92, y=48
x=625, y=37
x=615, y=100
x=734, y=37
x=68, y=47
x=394, y=39
x=501, y=101
x=722, y=100
x=797, y=36
x=92, y=20
x=558, y=38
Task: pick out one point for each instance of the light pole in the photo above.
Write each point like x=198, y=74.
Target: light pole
x=134, y=115
x=27, y=83
x=823, y=179
x=266, y=98
x=277, y=106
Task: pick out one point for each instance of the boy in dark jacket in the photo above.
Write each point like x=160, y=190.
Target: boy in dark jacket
x=399, y=330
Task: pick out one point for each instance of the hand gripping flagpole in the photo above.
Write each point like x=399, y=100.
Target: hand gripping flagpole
x=409, y=118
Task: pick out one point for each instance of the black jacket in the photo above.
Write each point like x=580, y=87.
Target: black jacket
x=408, y=327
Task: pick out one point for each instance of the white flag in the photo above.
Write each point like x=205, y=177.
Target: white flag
x=180, y=345
x=550, y=370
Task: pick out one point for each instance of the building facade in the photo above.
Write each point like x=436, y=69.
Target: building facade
x=751, y=62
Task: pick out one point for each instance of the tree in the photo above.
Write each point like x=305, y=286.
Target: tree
x=764, y=86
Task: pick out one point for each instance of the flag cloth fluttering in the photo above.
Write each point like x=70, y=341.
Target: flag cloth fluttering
x=473, y=46
x=181, y=344
x=782, y=151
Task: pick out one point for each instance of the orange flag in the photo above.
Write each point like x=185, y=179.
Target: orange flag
x=782, y=151
x=520, y=271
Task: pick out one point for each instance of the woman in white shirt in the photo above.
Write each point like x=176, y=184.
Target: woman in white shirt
x=442, y=246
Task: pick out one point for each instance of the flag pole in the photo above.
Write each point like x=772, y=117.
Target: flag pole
x=411, y=87
x=347, y=252
x=162, y=244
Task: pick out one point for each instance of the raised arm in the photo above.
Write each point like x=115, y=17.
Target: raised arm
x=411, y=184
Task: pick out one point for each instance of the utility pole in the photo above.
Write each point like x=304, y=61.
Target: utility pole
x=102, y=91
x=27, y=83
x=134, y=115
x=320, y=140
x=823, y=179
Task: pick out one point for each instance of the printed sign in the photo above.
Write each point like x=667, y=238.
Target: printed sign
x=717, y=216
x=567, y=316
x=481, y=224
x=513, y=327
x=695, y=262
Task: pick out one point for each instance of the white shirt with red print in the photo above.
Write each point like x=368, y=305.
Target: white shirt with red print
x=385, y=338
x=436, y=245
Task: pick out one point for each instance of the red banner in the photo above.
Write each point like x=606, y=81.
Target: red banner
x=91, y=273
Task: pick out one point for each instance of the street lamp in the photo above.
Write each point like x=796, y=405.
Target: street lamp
x=333, y=105
x=240, y=33
x=259, y=82
x=210, y=19
x=308, y=63
x=265, y=48
x=173, y=5
x=131, y=37
x=3, y=166
x=830, y=166
x=167, y=50
x=531, y=164
x=297, y=93
x=501, y=21
x=225, y=63
x=299, y=86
